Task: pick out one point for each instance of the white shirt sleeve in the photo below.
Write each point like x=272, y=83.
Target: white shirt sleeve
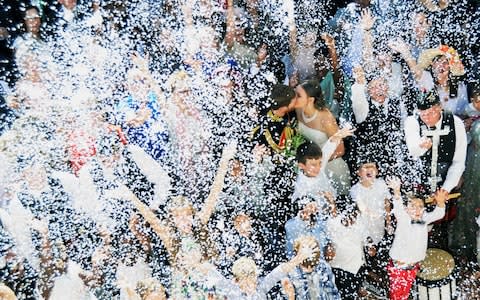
x=462, y=98
x=413, y=138
x=359, y=102
x=327, y=151
x=435, y=215
x=399, y=209
x=396, y=81
x=426, y=81
x=458, y=163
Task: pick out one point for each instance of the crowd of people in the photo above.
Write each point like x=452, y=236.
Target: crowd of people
x=237, y=149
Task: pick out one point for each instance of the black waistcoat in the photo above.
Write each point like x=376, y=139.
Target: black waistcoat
x=446, y=147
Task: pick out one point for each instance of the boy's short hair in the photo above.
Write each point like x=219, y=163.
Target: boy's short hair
x=364, y=159
x=412, y=198
x=281, y=95
x=474, y=91
x=308, y=150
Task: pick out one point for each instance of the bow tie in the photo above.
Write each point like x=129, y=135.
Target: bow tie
x=421, y=222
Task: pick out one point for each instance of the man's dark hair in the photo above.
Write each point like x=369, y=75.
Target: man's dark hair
x=313, y=89
x=29, y=8
x=308, y=150
x=281, y=95
x=474, y=91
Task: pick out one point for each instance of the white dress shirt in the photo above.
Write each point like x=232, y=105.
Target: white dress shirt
x=371, y=203
x=413, y=139
x=410, y=242
x=348, y=242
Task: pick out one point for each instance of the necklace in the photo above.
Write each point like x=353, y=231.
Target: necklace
x=309, y=119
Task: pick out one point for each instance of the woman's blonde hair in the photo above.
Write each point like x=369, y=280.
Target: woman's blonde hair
x=244, y=267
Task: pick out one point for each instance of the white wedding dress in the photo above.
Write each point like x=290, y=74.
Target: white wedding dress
x=337, y=169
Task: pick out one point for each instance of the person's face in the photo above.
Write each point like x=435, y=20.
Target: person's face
x=311, y=167
x=183, y=219
x=476, y=102
x=237, y=168
x=420, y=25
x=378, y=90
x=249, y=283
x=208, y=41
x=440, y=66
x=181, y=93
x=302, y=98
x=239, y=29
x=262, y=52
x=68, y=4
x=431, y=116
x=368, y=172
x=32, y=20
x=168, y=40
x=415, y=209
x=385, y=60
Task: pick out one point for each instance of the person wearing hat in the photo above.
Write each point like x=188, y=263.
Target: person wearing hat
x=438, y=68
x=439, y=141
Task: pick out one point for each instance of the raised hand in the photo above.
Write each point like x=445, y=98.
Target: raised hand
x=394, y=183
x=348, y=130
x=307, y=249
x=259, y=152
x=39, y=225
x=457, y=68
x=366, y=19
x=441, y=196
x=288, y=288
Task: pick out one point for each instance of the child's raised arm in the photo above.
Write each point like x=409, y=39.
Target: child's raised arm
x=217, y=186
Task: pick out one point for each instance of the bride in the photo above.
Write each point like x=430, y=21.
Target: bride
x=317, y=124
